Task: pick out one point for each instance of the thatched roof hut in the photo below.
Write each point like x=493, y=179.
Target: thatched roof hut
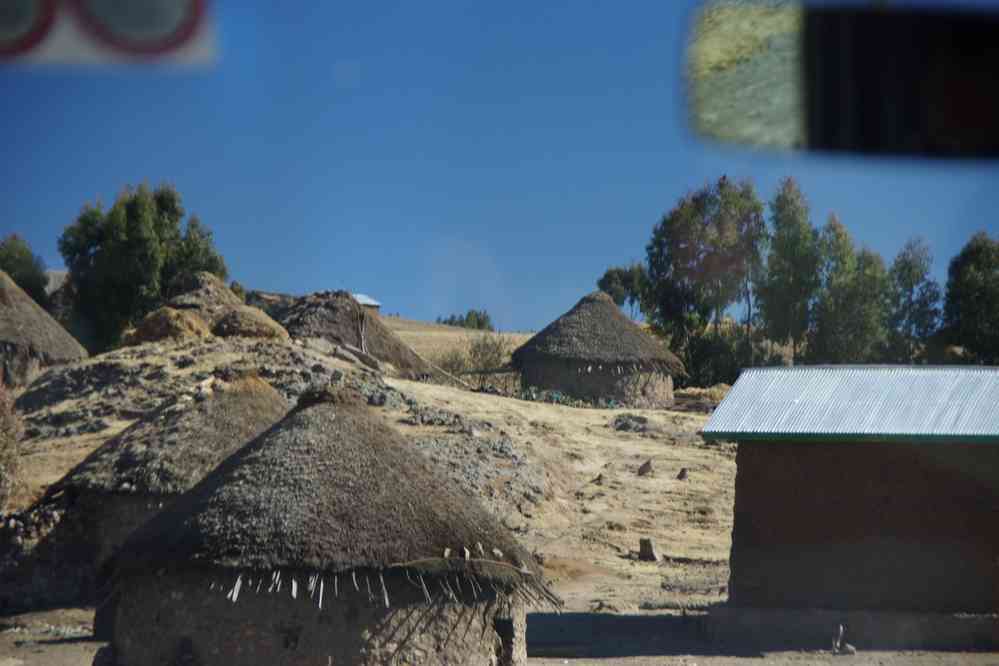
x=327, y=539
x=337, y=317
x=129, y=478
x=593, y=351
x=207, y=295
x=30, y=339
x=167, y=323
x=249, y=322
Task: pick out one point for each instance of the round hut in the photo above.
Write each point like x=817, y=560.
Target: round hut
x=326, y=540
x=130, y=477
x=338, y=318
x=594, y=352
x=30, y=339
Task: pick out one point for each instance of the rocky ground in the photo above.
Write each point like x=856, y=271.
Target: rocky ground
x=579, y=487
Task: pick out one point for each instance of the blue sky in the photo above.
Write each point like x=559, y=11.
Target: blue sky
x=434, y=155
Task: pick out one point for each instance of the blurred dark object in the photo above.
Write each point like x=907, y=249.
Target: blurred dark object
x=902, y=81
x=105, y=32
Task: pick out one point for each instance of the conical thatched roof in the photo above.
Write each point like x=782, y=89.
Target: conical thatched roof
x=329, y=489
x=338, y=318
x=176, y=446
x=207, y=295
x=24, y=324
x=596, y=331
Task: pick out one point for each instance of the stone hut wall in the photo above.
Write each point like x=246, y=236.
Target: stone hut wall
x=650, y=388
x=887, y=526
x=174, y=617
x=57, y=564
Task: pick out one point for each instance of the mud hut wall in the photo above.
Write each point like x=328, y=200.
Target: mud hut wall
x=633, y=384
x=887, y=526
x=159, y=619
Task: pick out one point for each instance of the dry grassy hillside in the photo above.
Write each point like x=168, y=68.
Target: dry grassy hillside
x=431, y=341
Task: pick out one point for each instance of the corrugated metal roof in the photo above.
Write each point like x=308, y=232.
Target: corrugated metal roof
x=861, y=403
x=364, y=299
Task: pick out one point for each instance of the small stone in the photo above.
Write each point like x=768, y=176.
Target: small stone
x=682, y=476
x=645, y=469
x=647, y=551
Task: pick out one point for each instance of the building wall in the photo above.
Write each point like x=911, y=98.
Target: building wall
x=875, y=526
x=168, y=619
x=56, y=561
x=647, y=388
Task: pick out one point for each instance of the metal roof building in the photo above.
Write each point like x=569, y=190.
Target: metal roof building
x=366, y=301
x=861, y=403
x=871, y=488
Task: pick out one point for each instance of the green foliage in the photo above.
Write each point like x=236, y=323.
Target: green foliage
x=703, y=256
x=829, y=338
x=625, y=285
x=24, y=267
x=10, y=433
x=716, y=356
x=849, y=316
x=124, y=262
x=238, y=289
x=478, y=320
x=971, y=310
x=785, y=293
x=913, y=302
x=612, y=283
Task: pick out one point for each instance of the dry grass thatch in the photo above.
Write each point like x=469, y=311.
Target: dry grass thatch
x=176, y=446
x=338, y=318
x=167, y=323
x=329, y=489
x=596, y=331
x=208, y=296
x=25, y=325
x=249, y=322
x=10, y=434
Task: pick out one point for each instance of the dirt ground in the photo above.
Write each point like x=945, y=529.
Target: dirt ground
x=586, y=532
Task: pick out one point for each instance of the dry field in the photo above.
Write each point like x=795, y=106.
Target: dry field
x=431, y=341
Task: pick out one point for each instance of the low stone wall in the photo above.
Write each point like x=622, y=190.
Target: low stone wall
x=902, y=527
x=649, y=388
x=170, y=618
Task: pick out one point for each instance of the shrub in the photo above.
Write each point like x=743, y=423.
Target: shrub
x=10, y=433
x=489, y=351
x=454, y=361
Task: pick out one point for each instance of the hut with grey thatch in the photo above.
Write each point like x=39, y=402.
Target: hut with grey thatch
x=132, y=476
x=30, y=339
x=594, y=352
x=326, y=539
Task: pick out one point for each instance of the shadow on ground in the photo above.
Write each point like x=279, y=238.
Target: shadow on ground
x=601, y=635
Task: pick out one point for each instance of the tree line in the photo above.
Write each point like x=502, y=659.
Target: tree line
x=123, y=262
x=478, y=320
x=807, y=294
